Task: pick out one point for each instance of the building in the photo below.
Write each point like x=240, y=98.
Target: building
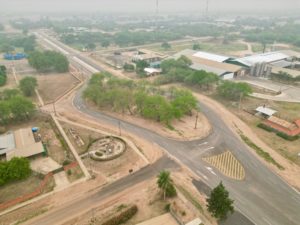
x=265, y=64
x=149, y=56
x=265, y=111
x=211, y=63
x=152, y=71
x=20, y=143
x=283, y=126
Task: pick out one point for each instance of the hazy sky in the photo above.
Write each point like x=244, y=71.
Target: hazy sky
x=147, y=5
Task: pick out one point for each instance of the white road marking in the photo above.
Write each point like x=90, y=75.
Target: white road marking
x=85, y=65
x=211, y=170
x=201, y=174
x=205, y=143
x=209, y=148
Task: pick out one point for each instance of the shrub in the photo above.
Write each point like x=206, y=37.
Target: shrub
x=99, y=154
x=168, y=207
x=265, y=127
x=122, y=217
x=287, y=137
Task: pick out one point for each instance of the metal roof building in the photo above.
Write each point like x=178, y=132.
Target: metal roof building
x=211, y=63
x=20, y=143
x=269, y=57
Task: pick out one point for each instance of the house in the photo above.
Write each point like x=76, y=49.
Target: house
x=20, y=143
x=283, y=126
x=148, y=56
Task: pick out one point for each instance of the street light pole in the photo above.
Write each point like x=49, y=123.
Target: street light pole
x=196, y=123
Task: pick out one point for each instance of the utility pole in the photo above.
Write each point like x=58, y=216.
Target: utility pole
x=240, y=102
x=206, y=12
x=196, y=123
x=119, y=123
x=54, y=108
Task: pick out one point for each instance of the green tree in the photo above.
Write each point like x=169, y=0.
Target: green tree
x=91, y=46
x=141, y=65
x=128, y=67
x=3, y=75
x=234, y=91
x=184, y=102
x=219, y=204
x=21, y=108
x=28, y=85
x=165, y=183
x=165, y=45
x=105, y=43
x=196, y=46
x=14, y=170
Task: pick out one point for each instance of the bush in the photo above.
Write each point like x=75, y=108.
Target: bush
x=287, y=137
x=171, y=191
x=168, y=207
x=14, y=170
x=265, y=127
x=99, y=154
x=122, y=217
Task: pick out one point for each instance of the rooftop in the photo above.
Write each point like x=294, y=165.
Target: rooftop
x=265, y=110
x=211, y=56
x=268, y=57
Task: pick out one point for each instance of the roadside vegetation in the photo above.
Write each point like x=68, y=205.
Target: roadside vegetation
x=126, y=96
x=165, y=183
x=265, y=155
x=219, y=204
x=48, y=61
x=285, y=78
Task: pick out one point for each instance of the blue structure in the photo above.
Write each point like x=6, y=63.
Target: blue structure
x=17, y=56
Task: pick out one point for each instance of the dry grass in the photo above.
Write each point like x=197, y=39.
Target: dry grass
x=52, y=86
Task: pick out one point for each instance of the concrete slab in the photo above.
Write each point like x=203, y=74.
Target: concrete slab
x=44, y=165
x=165, y=219
x=61, y=180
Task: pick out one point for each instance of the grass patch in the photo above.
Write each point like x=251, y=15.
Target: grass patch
x=190, y=197
x=261, y=152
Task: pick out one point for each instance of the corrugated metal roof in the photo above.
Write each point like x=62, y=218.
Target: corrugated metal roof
x=265, y=110
x=211, y=56
x=197, y=66
x=7, y=143
x=282, y=63
x=268, y=57
x=214, y=64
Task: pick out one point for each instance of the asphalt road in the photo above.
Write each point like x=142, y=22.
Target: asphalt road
x=262, y=196
x=65, y=212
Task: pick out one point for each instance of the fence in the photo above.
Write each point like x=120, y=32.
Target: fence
x=28, y=196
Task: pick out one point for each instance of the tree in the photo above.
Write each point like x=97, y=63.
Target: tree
x=128, y=67
x=219, y=204
x=13, y=170
x=3, y=75
x=196, y=46
x=165, y=183
x=105, y=43
x=234, y=91
x=141, y=65
x=48, y=61
x=91, y=46
x=28, y=85
x=165, y=45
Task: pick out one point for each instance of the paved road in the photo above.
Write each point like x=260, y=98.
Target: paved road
x=262, y=196
x=66, y=211
x=288, y=93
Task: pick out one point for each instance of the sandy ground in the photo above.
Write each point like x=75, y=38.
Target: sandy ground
x=52, y=86
x=184, y=129
x=291, y=172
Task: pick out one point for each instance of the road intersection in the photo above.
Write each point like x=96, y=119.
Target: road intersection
x=262, y=196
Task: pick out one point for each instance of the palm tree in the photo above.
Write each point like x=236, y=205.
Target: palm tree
x=164, y=181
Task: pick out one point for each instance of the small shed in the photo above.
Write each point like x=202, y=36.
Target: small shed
x=265, y=111
x=152, y=71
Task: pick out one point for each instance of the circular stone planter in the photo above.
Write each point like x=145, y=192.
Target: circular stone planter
x=107, y=148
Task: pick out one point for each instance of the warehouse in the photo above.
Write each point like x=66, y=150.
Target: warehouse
x=211, y=63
